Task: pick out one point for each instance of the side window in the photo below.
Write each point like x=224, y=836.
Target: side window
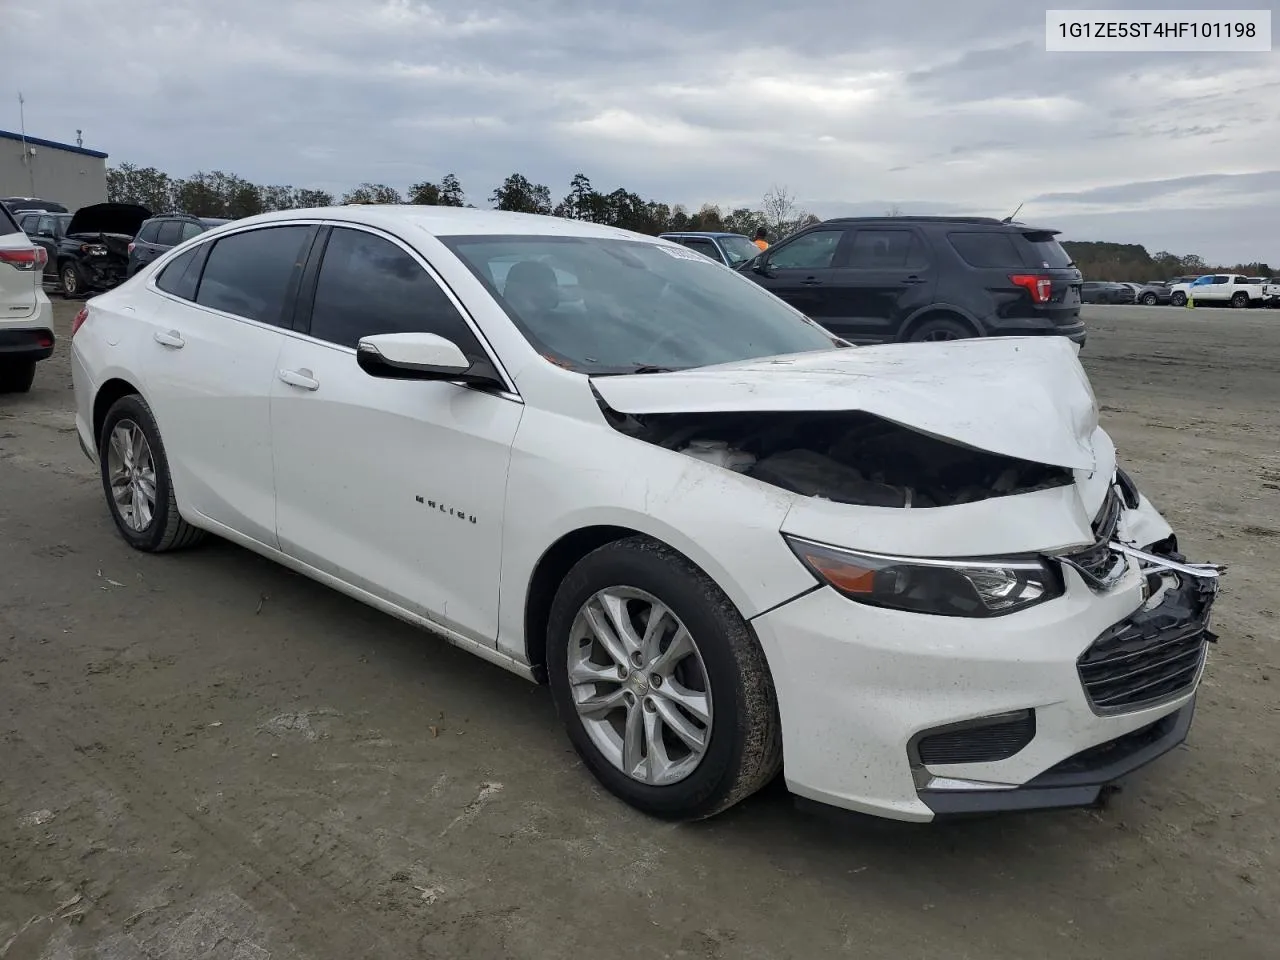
x=149, y=231
x=180, y=274
x=170, y=233
x=1220, y=279
x=705, y=247
x=190, y=230
x=986, y=249
x=812, y=251
x=369, y=285
x=253, y=274
x=29, y=224
x=45, y=228
x=885, y=250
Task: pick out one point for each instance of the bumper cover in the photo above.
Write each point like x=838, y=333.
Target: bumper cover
x=32, y=343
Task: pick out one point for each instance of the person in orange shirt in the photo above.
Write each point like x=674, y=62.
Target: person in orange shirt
x=762, y=238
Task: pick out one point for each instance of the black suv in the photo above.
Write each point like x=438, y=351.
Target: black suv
x=163, y=233
x=877, y=279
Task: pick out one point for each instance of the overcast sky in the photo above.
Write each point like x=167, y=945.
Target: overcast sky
x=937, y=106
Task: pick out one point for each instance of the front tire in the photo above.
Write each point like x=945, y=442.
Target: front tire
x=16, y=376
x=1149, y=299
x=661, y=683
x=137, y=482
x=72, y=280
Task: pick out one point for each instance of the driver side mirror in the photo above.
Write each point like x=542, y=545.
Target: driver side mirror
x=421, y=356
x=760, y=265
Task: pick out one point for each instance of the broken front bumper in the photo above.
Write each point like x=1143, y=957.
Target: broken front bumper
x=911, y=716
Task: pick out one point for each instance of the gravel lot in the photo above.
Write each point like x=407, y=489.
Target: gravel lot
x=205, y=756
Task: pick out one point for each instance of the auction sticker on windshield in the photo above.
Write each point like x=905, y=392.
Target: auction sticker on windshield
x=680, y=253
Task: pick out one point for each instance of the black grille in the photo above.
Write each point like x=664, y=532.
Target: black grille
x=1108, y=518
x=985, y=743
x=1152, y=655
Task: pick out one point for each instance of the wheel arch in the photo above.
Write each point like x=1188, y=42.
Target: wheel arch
x=111, y=390
x=940, y=311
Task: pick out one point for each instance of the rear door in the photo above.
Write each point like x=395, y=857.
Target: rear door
x=211, y=356
x=884, y=277
x=799, y=270
x=19, y=273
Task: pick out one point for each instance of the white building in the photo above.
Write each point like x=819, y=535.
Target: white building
x=63, y=172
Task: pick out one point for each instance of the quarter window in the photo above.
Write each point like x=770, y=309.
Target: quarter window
x=149, y=232
x=180, y=274
x=170, y=232
x=813, y=251
x=369, y=285
x=254, y=274
x=190, y=230
x=986, y=249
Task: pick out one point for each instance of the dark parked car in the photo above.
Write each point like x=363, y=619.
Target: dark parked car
x=90, y=250
x=1150, y=294
x=1102, y=291
x=46, y=230
x=731, y=249
x=164, y=233
x=19, y=205
x=877, y=279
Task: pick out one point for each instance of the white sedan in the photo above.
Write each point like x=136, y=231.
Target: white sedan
x=910, y=577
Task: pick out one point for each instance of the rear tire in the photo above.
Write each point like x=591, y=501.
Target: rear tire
x=941, y=329
x=1240, y=300
x=730, y=740
x=16, y=376
x=1179, y=299
x=1149, y=299
x=71, y=279
x=136, y=480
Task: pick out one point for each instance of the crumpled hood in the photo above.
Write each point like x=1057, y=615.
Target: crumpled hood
x=1023, y=397
x=122, y=218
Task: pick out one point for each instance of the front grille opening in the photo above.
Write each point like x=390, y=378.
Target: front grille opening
x=982, y=741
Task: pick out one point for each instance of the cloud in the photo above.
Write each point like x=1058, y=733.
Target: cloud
x=950, y=106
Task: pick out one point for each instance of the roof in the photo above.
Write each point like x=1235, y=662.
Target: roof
x=702, y=233
x=448, y=221
x=52, y=144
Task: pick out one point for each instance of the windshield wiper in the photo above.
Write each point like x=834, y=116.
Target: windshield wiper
x=651, y=369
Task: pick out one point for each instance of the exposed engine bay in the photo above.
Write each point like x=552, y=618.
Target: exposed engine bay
x=847, y=457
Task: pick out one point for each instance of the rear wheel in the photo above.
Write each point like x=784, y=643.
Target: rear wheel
x=1149, y=299
x=16, y=376
x=661, y=684
x=1240, y=300
x=1179, y=299
x=72, y=280
x=137, y=482
x=941, y=328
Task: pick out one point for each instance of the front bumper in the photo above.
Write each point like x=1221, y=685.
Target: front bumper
x=859, y=686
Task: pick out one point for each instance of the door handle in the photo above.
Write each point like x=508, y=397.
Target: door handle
x=810, y=282
x=300, y=378
x=170, y=338
x=914, y=279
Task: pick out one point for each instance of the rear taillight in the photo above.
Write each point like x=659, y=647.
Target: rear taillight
x=78, y=322
x=1038, y=285
x=25, y=259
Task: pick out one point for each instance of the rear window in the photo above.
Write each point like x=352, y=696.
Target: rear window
x=987, y=249
x=1046, y=251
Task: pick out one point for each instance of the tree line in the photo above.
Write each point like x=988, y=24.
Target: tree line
x=219, y=194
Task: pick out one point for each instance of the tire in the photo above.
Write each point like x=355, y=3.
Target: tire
x=16, y=376
x=1149, y=299
x=1178, y=299
x=940, y=328
x=1240, y=300
x=723, y=670
x=161, y=528
x=71, y=280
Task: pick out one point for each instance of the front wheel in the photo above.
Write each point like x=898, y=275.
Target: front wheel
x=1179, y=299
x=137, y=482
x=1149, y=299
x=16, y=376
x=1240, y=300
x=661, y=683
x=72, y=281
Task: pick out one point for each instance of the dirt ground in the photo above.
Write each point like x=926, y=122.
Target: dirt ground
x=205, y=757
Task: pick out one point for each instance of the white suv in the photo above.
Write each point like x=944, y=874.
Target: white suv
x=26, y=316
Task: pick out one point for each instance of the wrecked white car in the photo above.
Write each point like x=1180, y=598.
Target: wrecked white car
x=912, y=577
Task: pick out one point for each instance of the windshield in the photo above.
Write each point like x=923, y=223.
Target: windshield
x=600, y=306
x=738, y=249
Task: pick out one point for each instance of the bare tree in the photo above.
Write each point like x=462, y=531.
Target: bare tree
x=893, y=211
x=779, y=208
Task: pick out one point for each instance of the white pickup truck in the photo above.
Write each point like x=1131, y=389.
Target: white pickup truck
x=1219, y=289
x=1271, y=293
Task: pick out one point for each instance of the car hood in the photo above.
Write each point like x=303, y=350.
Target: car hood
x=1023, y=397
x=123, y=218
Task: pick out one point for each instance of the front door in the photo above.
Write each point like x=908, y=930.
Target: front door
x=800, y=271
x=395, y=486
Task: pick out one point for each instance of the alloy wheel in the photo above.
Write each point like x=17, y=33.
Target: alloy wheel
x=131, y=471
x=640, y=686
x=70, y=282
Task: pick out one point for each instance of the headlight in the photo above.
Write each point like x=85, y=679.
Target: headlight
x=985, y=587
